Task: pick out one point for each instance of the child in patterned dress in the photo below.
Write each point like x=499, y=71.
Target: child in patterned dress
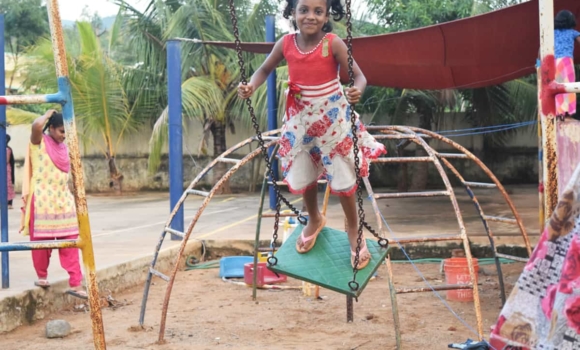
x=565, y=36
x=316, y=139
x=49, y=211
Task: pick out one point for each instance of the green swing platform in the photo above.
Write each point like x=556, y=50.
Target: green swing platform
x=328, y=263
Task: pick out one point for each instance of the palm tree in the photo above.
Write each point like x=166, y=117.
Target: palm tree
x=512, y=102
x=101, y=104
x=210, y=74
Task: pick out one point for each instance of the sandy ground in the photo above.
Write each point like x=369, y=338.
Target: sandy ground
x=207, y=313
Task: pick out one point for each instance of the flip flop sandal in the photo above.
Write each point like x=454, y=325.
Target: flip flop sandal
x=75, y=293
x=361, y=264
x=305, y=240
x=42, y=284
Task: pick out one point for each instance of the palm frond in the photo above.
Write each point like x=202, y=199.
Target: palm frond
x=158, y=140
x=100, y=100
x=201, y=99
x=41, y=72
x=16, y=116
x=144, y=31
x=512, y=102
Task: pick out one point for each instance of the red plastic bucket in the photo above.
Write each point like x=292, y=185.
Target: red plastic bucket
x=457, y=272
x=265, y=275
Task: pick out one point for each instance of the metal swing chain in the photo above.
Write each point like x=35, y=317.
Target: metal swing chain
x=354, y=285
x=272, y=260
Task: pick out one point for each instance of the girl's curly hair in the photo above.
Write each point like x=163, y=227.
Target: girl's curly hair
x=564, y=20
x=334, y=8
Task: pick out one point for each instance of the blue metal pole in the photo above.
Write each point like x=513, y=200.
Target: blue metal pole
x=272, y=104
x=175, y=133
x=3, y=174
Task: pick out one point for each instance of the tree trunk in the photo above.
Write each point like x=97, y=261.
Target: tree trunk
x=420, y=175
x=218, y=131
x=116, y=178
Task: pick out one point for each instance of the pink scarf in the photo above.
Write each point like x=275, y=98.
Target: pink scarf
x=58, y=153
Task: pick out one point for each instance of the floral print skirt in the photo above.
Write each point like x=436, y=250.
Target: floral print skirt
x=317, y=139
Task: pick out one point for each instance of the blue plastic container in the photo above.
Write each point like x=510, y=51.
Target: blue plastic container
x=233, y=266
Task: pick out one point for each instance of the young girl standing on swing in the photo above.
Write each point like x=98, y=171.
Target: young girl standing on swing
x=316, y=137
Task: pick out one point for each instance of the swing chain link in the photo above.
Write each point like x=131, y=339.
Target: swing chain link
x=272, y=260
x=383, y=243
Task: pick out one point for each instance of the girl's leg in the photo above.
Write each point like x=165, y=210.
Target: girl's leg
x=40, y=260
x=349, y=207
x=310, y=198
x=303, y=175
x=69, y=260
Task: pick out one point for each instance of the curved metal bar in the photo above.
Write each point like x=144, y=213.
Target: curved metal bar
x=178, y=258
x=212, y=164
x=180, y=203
x=491, y=176
x=431, y=152
x=391, y=129
x=414, y=134
x=485, y=225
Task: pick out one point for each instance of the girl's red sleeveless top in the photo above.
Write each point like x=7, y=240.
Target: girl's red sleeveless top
x=313, y=68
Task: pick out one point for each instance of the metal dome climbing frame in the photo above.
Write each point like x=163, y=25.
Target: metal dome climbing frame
x=412, y=134
x=417, y=136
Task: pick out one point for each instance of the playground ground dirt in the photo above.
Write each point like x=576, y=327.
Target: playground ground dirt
x=207, y=313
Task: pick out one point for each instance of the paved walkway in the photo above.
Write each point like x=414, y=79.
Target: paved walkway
x=128, y=227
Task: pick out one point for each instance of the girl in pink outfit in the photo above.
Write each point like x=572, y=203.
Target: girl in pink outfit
x=49, y=211
x=10, y=172
x=316, y=139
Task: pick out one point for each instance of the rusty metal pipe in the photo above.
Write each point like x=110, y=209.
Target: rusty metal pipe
x=32, y=99
x=439, y=167
x=401, y=159
x=190, y=190
x=482, y=216
x=492, y=178
x=511, y=257
x=189, y=230
x=85, y=237
x=436, y=288
x=426, y=239
x=349, y=309
x=411, y=194
x=501, y=219
x=452, y=155
x=36, y=245
x=394, y=305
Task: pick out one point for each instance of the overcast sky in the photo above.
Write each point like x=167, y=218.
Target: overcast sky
x=72, y=9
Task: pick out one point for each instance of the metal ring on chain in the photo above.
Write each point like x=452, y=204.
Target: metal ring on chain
x=383, y=242
x=302, y=219
x=272, y=260
x=354, y=286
